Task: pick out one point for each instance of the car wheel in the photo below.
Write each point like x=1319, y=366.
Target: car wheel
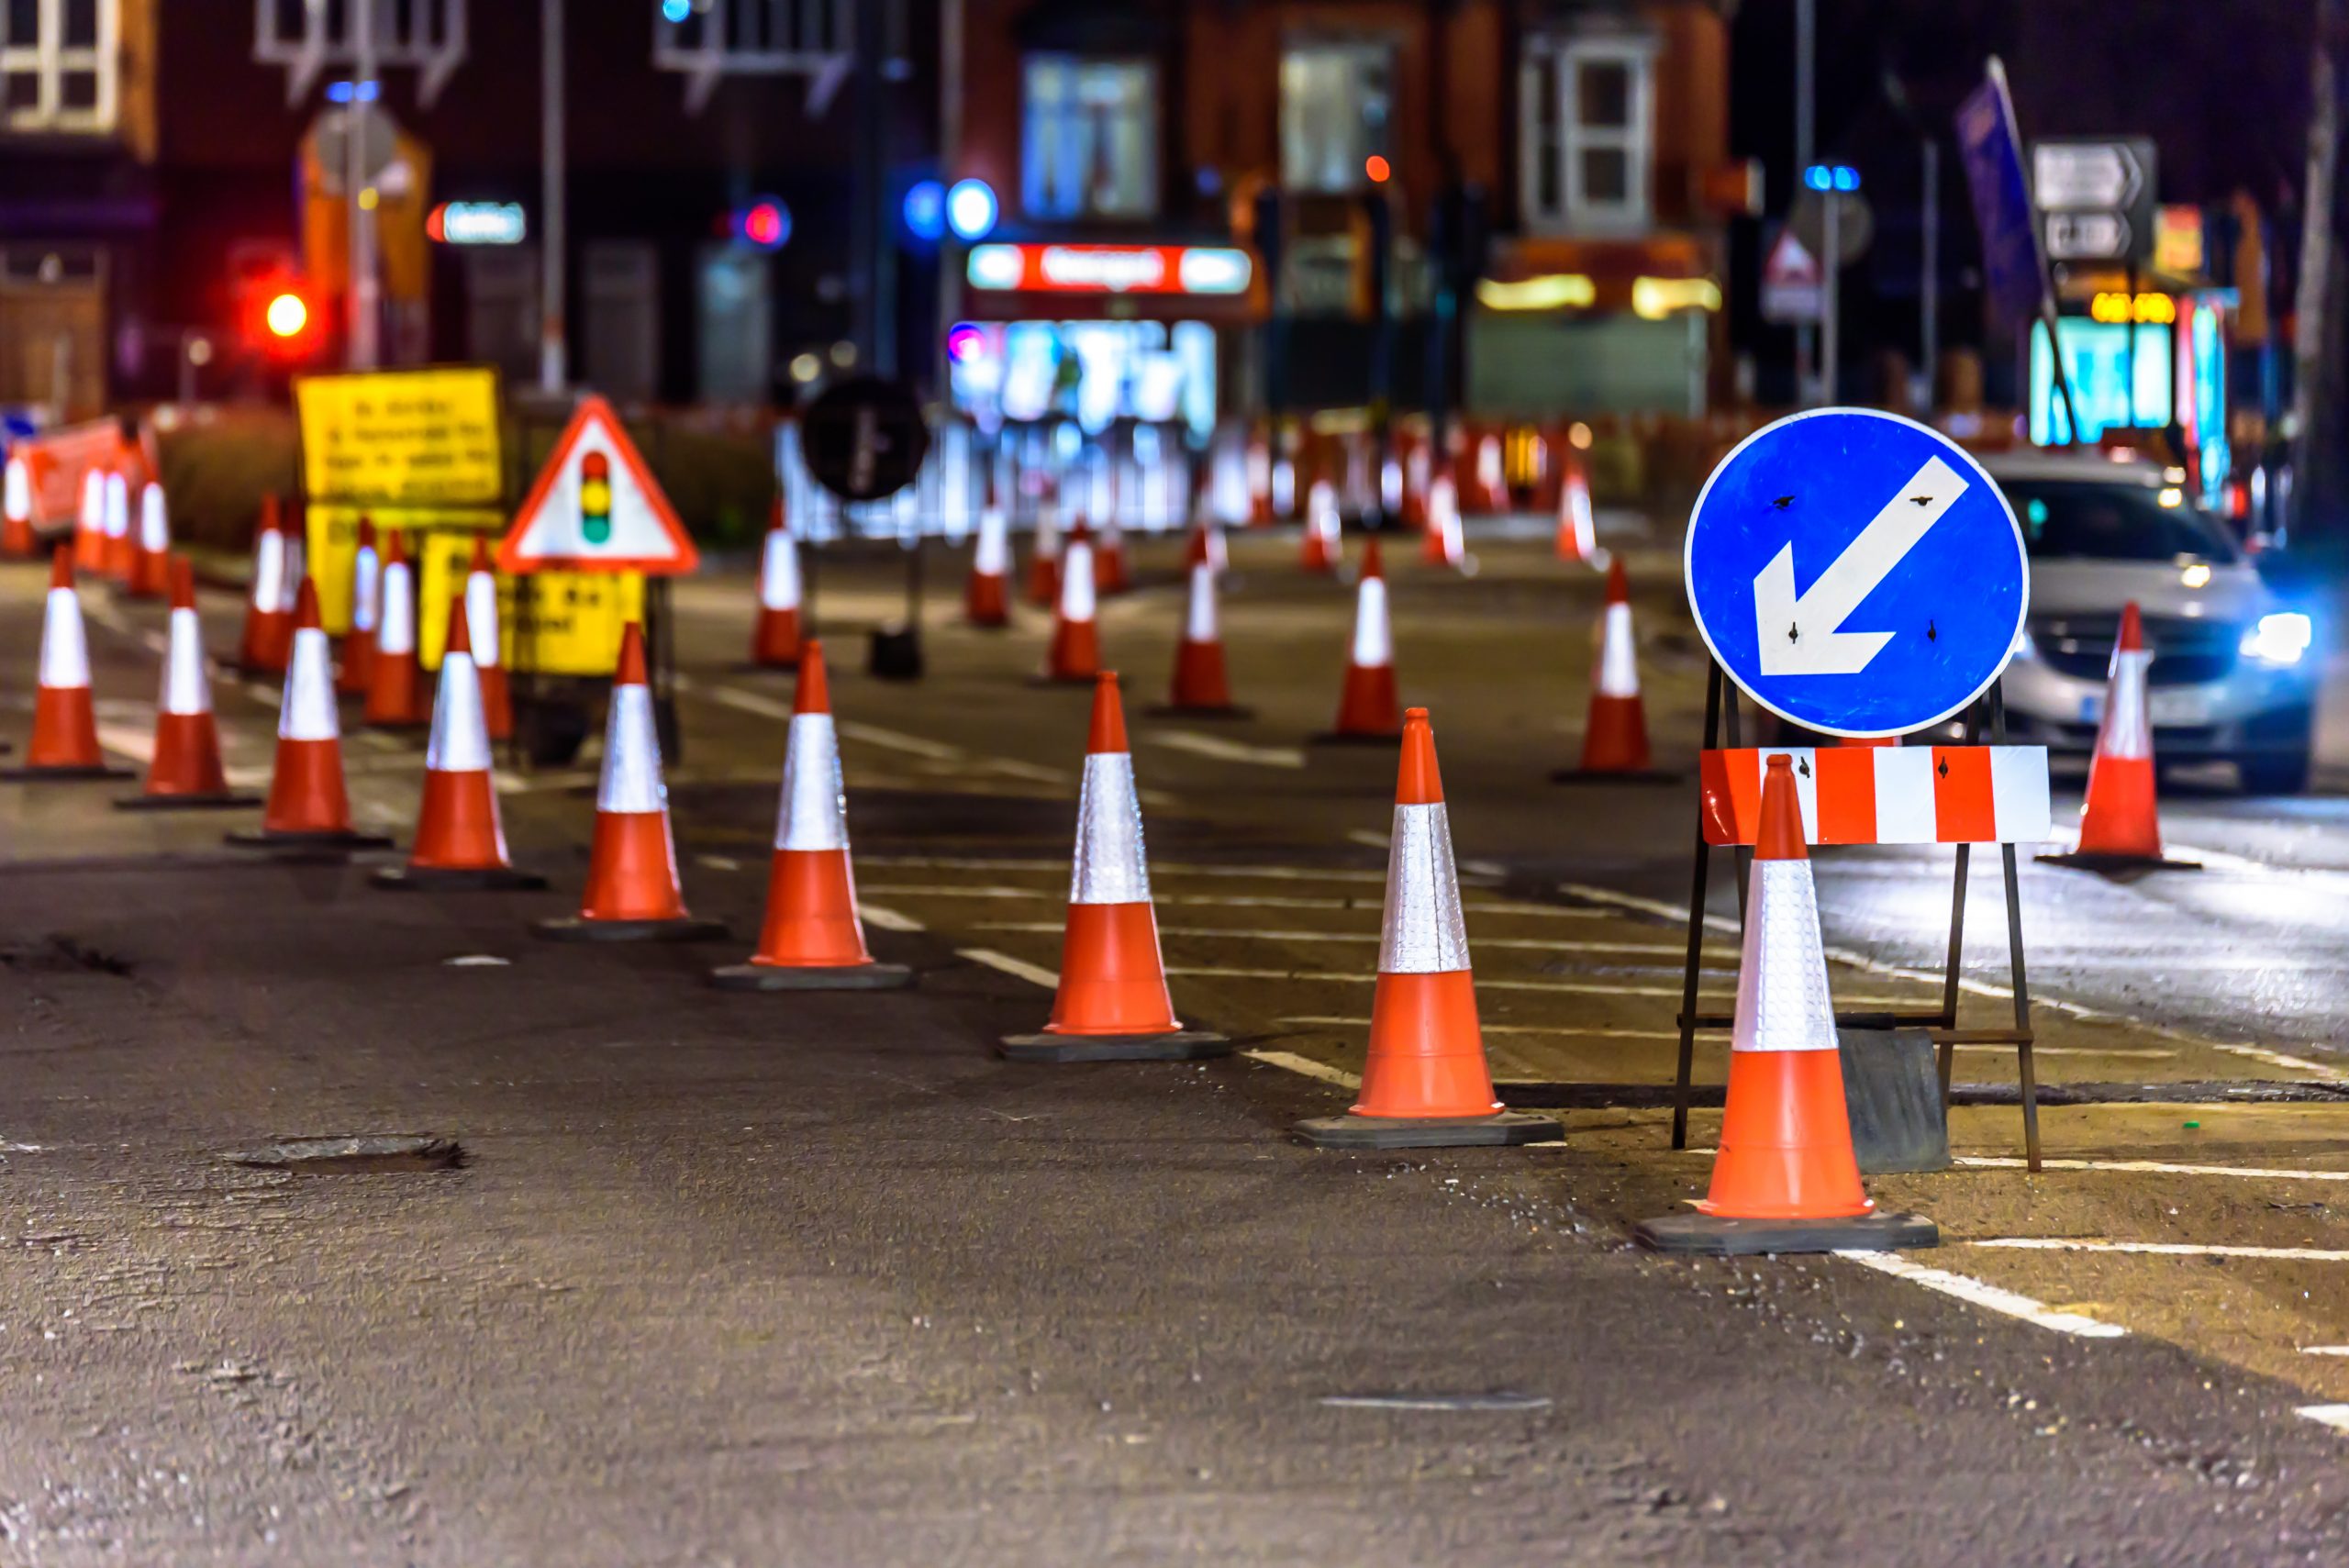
x=2275, y=773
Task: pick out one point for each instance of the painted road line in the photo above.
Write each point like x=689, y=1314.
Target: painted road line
x=719, y=863
x=2153, y=1168
x=1979, y=1294
x=1678, y=915
x=264, y=694
x=1536, y=944
x=2324, y=1349
x=890, y=919
x=1316, y=1021
x=1484, y=983
x=2334, y=1416
x=1018, y=968
x=2163, y=1248
x=1226, y=900
x=1365, y=836
x=1224, y=751
x=1012, y=768
x=1304, y=1066
x=898, y=740
x=2067, y=841
x=139, y=745
x=747, y=702
x=1059, y=868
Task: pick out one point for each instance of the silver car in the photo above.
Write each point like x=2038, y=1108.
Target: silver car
x=2233, y=676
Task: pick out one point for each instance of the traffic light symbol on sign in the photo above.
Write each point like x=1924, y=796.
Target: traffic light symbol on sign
x=596, y=498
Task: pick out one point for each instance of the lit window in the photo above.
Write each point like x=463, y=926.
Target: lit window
x=57, y=65
x=1092, y=138
x=1337, y=113
x=1587, y=142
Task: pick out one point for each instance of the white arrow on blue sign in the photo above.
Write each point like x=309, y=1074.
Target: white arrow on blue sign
x=1856, y=572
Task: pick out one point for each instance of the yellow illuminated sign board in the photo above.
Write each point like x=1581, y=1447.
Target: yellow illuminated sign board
x=422, y=438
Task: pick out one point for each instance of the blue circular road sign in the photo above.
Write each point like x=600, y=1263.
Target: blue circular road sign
x=1856, y=572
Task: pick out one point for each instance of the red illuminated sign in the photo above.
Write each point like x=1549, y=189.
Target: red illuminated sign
x=1110, y=269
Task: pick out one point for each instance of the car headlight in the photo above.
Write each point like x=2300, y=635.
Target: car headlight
x=2280, y=640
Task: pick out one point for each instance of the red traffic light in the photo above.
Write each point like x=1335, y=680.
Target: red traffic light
x=288, y=316
x=279, y=316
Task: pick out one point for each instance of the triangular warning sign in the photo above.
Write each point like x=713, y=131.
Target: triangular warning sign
x=1791, y=264
x=596, y=509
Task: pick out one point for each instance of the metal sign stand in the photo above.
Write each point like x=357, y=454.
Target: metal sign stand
x=1721, y=716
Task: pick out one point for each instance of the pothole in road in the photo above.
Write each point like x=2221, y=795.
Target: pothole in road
x=63, y=954
x=1469, y=1402
x=365, y=1154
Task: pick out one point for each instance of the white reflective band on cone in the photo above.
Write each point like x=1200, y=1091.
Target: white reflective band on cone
x=632, y=779
x=1782, y=1000
x=814, y=814
x=2126, y=733
x=92, y=519
x=1488, y=463
x=186, y=689
x=154, y=525
x=65, y=650
x=779, y=572
x=269, y=570
x=308, y=711
x=1443, y=503
x=1200, y=619
x=1374, y=642
x=1109, y=866
x=396, y=632
x=290, y=587
x=16, y=491
x=1048, y=531
x=481, y=618
x=993, y=557
x=1422, y=933
x=1618, y=660
x=460, y=732
x=1076, y=581
x=117, y=506
x=366, y=588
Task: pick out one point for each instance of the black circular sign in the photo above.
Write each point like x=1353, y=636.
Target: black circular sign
x=865, y=438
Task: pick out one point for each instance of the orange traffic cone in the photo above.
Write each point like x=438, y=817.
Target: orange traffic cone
x=1111, y=1003
x=268, y=610
x=1075, y=653
x=1577, y=533
x=986, y=596
x=1110, y=574
x=1206, y=546
x=395, y=683
x=150, y=556
x=775, y=634
x=1200, y=687
x=632, y=893
x=120, y=546
x=1044, y=559
x=1492, y=478
x=355, y=671
x=309, y=807
x=17, y=536
x=1615, y=737
x=1425, y=1084
x=482, y=631
x=1322, y=546
x=1368, y=708
x=185, y=772
x=460, y=842
x=89, y=524
x=812, y=940
x=1441, y=543
x=65, y=723
x=2120, y=824
x=1786, y=1179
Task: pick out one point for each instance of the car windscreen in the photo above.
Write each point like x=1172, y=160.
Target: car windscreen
x=2099, y=520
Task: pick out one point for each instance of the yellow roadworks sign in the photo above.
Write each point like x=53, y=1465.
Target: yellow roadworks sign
x=421, y=438
x=550, y=623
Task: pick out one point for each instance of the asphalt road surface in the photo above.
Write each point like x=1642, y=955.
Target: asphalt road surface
x=726, y=1279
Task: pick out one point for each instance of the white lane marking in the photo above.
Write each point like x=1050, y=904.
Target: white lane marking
x=2163, y=1249
x=2154, y=1168
x=2065, y=840
x=897, y=741
x=1223, y=751
x=477, y=960
x=139, y=745
x=2334, y=1416
x=2123, y=1052
x=1579, y=988
x=1321, y=1022
x=267, y=695
x=719, y=863
x=888, y=919
x=1485, y=868
x=1678, y=914
x=1979, y=1294
x=2324, y=1349
x=376, y=740
x=155, y=641
x=1306, y=1067
x=1376, y=841
x=1157, y=868
x=1536, y=944
x=1018, y=968
x=1011, y=769
x=1219, y=900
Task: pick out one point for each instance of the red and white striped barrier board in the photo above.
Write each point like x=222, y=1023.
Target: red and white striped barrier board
x=1887, y=795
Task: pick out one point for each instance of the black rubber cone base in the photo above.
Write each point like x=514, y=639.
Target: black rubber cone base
x=791, y=977
x=1588, y=776
x=1353, y=737
x=684, y=929
x=1168, y=710
x=228, y=801
x=1428, y=1132
x=334, y=839
x=65, y=776
x=2117, y=865
x=1182, y=1045
x=462, y=879
x=1067, y=683
x=1714, y=1236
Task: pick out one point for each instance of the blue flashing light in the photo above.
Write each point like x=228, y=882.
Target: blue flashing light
x=1846, y=177
x=926, y=209
x=340, y=92
x=971, y=209
x=1831, y=177
x=676, y=10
